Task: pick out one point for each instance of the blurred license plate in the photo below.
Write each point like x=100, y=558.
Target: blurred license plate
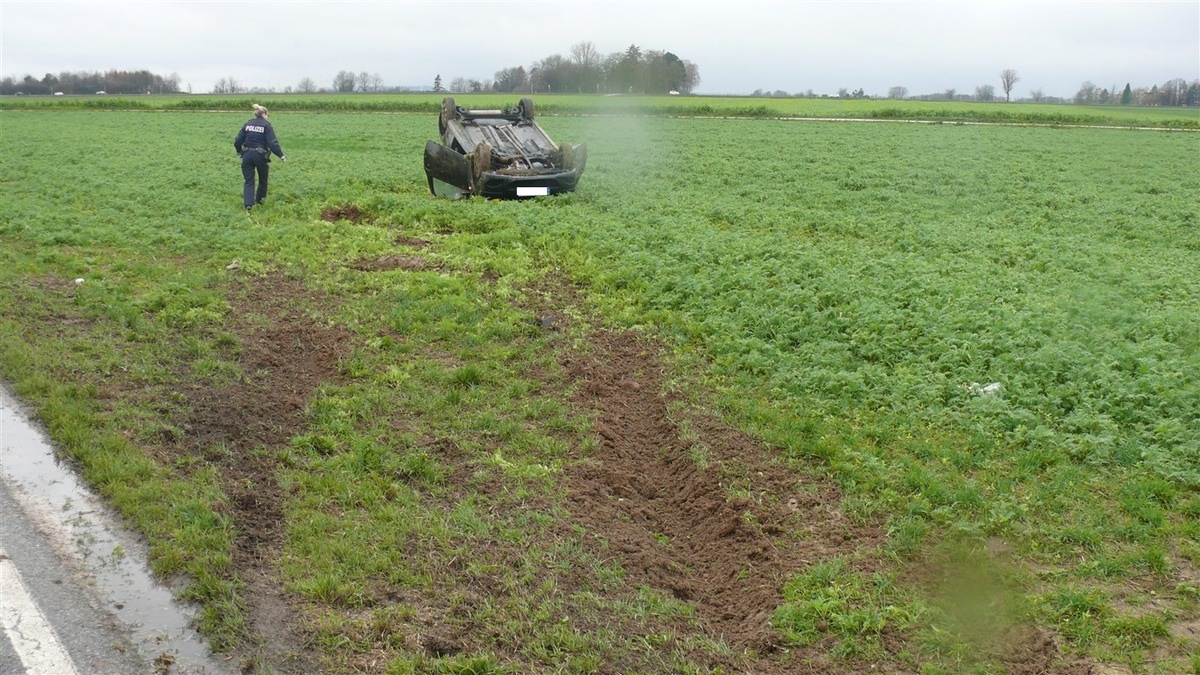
x=532, y=191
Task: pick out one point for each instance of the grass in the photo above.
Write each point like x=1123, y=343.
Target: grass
x=703, y=106
x=846, y=292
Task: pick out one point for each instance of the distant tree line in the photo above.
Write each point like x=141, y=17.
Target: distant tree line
x=1175, y=92
x=111, y=82
x=586, y=71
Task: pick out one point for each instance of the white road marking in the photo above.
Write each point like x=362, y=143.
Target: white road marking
x=32, y=637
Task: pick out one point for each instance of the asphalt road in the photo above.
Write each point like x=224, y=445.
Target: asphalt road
x=91, y=639
x=76, y=595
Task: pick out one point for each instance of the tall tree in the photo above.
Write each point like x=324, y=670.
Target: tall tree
x=1086, y=94
x=1192, y=95
x=510, y=79
x=1173, y=91
x=437, y=83
x=343, y=82
x=584, y=54
x=1127, y=95
x=691, y=77
x=1008, y=78
x=586, y=75
x=552, y=74
x=985, y=92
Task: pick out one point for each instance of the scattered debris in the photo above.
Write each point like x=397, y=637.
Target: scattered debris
x=990, y=389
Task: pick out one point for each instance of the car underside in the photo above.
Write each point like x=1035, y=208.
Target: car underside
x=499, y=154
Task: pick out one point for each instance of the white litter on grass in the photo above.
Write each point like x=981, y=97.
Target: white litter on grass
x=79, y=281
x=984, y=389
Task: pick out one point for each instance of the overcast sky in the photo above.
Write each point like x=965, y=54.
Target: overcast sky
x=739, y=46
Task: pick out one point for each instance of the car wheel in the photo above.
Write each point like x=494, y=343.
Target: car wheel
x=482, y=161
x=448, y=112
x=526, y=106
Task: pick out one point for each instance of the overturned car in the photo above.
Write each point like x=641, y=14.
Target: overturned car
x=499, y=154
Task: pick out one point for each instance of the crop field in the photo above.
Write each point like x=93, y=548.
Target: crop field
x=761, y=396
x=657, y=106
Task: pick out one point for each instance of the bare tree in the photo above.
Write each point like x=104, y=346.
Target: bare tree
x=584, y=54
x=985, y=92
x=691, y=77
x=898, y=92
x=363, y=81
x=1037, y=95
x=459, y=85
x=376, y=82
x=1008, y=78
x=1173, y=91
x=950, y=93
x=306, y=86
x=343, y=82
x=1087, y=93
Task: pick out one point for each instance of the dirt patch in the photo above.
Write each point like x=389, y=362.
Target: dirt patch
x=1027, y=650
x=285, y=355
x=410, y=263
x=685, y=529
x=719, y=521
x=407, y=240
x=350, y=212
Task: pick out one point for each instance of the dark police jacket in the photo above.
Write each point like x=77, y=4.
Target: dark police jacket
x=257, y=135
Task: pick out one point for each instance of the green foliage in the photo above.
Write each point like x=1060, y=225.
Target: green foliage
x=852, y=290
x=686, y=106
x=830, y=599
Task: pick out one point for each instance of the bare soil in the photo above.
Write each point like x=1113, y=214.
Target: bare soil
x=409, y=263
x=285, y=355
x=678, y=526
x=718, y=521
x=350, y=212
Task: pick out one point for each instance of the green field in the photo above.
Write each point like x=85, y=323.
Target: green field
x=981, y=342
x=703, y=106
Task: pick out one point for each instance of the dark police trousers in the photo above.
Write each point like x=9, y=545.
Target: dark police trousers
x=253, y=160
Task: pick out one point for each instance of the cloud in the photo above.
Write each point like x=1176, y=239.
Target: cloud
x=739, y=46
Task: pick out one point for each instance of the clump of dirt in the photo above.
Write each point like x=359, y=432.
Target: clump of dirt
x=407, y=240
x=350, y=212
x=1027, y=650
x=410, y=263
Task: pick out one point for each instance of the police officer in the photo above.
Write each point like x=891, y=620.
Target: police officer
x=254, y=144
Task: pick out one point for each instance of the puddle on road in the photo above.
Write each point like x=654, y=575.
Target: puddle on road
x=113, y=558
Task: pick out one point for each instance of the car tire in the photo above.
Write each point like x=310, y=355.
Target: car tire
x=482, y=161
x=449, y=110
x=526, y=106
